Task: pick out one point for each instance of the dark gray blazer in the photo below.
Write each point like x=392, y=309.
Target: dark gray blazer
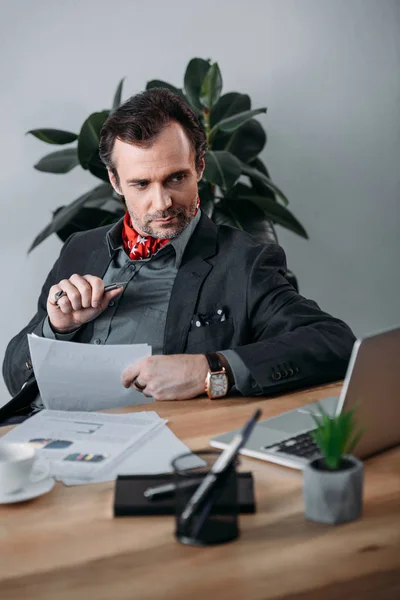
x=285, y=340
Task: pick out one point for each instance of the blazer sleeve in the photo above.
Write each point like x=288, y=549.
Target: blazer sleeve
x=17, y=366
x=294, y=343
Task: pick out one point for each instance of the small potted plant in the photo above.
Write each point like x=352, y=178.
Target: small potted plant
x=333, y=483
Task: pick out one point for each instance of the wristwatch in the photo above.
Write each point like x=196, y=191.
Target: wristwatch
x=219, y=376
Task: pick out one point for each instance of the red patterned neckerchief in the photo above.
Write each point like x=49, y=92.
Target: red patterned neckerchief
x=139, y=247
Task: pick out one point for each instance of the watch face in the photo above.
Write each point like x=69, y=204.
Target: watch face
x=218, y=384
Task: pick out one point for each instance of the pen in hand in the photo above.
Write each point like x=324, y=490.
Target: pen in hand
x=107, y=288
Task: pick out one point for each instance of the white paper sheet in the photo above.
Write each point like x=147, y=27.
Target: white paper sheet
x=84, y=446
x=86, y=377
x=153, y=456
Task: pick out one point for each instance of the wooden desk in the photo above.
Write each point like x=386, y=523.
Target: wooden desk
x=67, y=544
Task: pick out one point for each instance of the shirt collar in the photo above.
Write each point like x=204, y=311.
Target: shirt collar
x=179, y=243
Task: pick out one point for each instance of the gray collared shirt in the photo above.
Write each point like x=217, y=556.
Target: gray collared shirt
x=139, y=313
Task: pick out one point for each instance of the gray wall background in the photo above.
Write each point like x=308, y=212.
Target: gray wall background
x=328, y=71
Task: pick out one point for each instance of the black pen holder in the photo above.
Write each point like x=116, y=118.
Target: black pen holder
x=215, y=521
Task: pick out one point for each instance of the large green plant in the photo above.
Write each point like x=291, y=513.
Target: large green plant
x=236, y=188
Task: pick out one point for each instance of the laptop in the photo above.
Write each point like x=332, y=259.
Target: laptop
x=372, y=385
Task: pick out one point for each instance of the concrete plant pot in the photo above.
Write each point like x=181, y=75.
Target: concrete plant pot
x=333, y=496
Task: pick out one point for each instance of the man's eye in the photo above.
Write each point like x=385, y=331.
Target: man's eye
x=141, y=185
x=178, y=178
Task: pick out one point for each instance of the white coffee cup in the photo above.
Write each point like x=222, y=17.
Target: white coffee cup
x=19, y=467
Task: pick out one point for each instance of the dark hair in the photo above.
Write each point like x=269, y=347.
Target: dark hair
x=141, y=118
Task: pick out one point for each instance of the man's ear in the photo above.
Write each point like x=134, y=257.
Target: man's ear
x=114, y=183
x=201, y=170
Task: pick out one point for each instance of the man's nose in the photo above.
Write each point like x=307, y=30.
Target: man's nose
x=161, y=199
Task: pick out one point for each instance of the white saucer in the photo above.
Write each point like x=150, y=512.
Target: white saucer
x=32, y=490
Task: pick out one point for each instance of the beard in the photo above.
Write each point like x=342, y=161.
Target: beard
x=183, y=216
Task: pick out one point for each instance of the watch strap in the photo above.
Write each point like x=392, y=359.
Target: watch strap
x=224, y=363
x=213, y=362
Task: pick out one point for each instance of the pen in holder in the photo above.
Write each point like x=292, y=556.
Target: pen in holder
x=215, y=520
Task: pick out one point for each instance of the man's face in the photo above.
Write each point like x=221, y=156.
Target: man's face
x=159, y=183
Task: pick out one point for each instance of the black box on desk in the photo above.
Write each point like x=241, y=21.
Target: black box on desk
x=129, y=499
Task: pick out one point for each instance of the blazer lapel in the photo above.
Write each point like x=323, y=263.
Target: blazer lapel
x=188, y=282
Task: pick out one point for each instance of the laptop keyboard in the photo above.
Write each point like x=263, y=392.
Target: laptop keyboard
x=302, y=445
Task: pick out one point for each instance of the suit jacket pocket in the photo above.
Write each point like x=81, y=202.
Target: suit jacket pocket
x=217, y=336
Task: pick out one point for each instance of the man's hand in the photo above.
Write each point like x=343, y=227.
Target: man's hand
x=84, y=301
x=173, y=377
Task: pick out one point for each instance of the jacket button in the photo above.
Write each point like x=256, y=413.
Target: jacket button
x=97, y=341
x=28, y=365
x=111, y=303
x=276, y=376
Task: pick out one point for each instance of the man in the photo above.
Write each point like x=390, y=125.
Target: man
x=213, y=303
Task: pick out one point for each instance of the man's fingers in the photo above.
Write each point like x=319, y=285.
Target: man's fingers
x=64, y=305
x=130, y=374
x=73, y=295
x=81, y=292
x=84, y=288
x=97, y=286
x=55, y=289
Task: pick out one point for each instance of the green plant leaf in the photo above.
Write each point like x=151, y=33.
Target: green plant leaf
x=259, y=165
x=247, y=141
x=53, y=136
x=249, y=216
x=228, y=105
x=118, y=95
x=238, y=195
x=100, y=172
x=231, y=123
x=61, y=161
x=212, y=86
x=278, y=214
x=157, y=83
x=222, y=169
x=89, y=136
x=258, y=186
x=222, y=217
x=87, y=218
x=98, y=168
x=333, y=455
x=334, y=435
x=354, y=441
x=219, y=141
x=61, y=218
x=195, y=73
x=254, y=173
x=344, y=427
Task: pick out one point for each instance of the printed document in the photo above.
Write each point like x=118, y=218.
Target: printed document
x=155, y=455
x=84, y=377
x=85, y=447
